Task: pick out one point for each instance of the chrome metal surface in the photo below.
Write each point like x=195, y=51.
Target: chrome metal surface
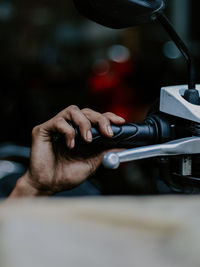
x=189, y=145
x=111, y=160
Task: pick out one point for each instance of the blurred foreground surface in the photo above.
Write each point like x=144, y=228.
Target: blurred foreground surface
x=114, y=232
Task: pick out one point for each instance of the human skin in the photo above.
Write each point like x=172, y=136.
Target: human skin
x=50, y=172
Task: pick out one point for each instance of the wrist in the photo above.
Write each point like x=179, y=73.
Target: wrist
x=24, y=188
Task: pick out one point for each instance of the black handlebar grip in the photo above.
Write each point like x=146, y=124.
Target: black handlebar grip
x=126, y=135
x=154, y=129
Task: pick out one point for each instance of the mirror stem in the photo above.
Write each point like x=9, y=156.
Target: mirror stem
x=181, y=46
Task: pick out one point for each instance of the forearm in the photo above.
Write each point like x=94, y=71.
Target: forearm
x=24, y=189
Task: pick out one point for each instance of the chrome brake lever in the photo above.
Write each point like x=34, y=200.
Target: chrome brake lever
x=189, y=146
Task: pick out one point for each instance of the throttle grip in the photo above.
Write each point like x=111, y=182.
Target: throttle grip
x=155, y=129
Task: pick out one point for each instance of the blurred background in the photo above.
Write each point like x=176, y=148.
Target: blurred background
x=51, y=57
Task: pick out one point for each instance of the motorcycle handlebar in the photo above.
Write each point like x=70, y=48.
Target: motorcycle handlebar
x=155, y=129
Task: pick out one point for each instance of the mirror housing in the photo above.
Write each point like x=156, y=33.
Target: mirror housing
x=118, y=14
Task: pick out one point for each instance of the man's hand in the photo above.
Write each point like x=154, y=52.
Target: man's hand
x=52, y=172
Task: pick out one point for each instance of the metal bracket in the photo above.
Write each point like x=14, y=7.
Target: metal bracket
x=173, y=103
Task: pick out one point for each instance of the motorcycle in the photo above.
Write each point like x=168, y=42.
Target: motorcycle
x=172, y=134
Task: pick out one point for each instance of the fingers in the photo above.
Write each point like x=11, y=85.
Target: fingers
x=74, y=114
x=56, y=124
x=103, y=120
x=82, y=119
x=98, y=118
x=114, y=118
x=60, y=125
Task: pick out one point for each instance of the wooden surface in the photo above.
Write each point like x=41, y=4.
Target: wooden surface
x=101, y=232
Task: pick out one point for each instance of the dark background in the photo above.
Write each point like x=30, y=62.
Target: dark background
x=51, y=57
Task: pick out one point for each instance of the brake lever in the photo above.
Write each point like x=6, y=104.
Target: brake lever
x=184, y=146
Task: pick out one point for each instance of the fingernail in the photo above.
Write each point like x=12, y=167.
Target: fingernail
x=72, y=143
x=121, y=119
x=89, y=136
x=109, y=130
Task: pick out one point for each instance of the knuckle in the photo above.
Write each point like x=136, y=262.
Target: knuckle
x=72, y=108
x=103, y=119
x=58, y=124
x=59, y=120
x=70, y=132
x=86, y=110
x=36, y=130
x=108, y=114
